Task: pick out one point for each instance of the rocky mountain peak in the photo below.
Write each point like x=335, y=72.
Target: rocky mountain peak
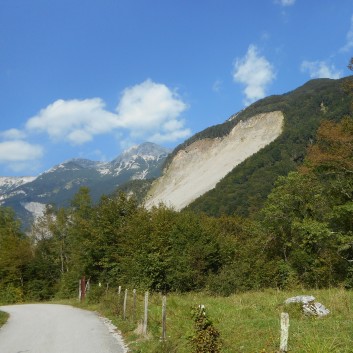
x=146, y=150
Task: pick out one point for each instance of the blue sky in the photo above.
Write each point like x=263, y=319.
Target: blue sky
x=90, y=78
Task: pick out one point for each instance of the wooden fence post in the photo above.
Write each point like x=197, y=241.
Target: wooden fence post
x=79, y=290
x=284, y=332
x=164, y=318
x=124, y=308
x=145, y=317
x=83, y=288
x=134, y=305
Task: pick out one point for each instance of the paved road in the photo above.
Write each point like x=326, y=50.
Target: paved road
x=52, y=328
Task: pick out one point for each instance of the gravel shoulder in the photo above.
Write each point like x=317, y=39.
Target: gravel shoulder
x=54, y=328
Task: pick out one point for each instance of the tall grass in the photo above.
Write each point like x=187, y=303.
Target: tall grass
x=3, y=317
x=248, y=323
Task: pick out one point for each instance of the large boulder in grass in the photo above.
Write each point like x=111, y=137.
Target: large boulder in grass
x=310, y=307
x=300, y=299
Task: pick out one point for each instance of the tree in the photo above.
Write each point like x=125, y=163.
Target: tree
x=15, y=255
x=348, y=83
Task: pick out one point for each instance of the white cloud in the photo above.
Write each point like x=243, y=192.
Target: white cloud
x=349, y=38
x=19, y=155
x=12, y=134
x=285, y=2
x=144, y=109
x=148, y=105
x=255, y=72
x=320, y=69
x=171, y=136
x=73, y=120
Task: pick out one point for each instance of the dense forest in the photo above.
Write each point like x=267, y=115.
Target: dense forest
x=302, y=235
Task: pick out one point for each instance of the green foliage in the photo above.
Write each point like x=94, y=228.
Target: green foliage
x=137, y=188
x=10, y=294
x=308, y=215
x=15, y=256
x=95, y=294
x=3, y=318
x=167, y=250
x=244, y=263
x=207, y=337
x=68, y=285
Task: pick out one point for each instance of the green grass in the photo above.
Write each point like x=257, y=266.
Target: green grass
x=248, y=323
x=3, y=318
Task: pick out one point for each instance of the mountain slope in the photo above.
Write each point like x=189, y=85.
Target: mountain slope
x=197, y=168
x=59, y=184
x=244, y=189
x=8, y=184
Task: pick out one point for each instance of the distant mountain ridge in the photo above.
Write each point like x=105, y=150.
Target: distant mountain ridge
x=8, y=184
x=29, y=195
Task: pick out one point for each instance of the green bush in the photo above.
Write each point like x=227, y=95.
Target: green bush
x=10, y=295
x=206, y=338
x=38, y=290
x=68, y=286
x=95, y=294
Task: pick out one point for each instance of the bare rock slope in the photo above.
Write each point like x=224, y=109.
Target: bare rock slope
x=200, y=166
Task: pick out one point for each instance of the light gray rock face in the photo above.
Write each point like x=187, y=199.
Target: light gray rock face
x=310, y=307
x=198, y=167
x=300, y=299
x=315, y=309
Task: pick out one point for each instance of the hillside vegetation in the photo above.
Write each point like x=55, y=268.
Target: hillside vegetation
x=244, y=190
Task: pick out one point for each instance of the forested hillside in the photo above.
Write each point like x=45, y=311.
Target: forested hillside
x=244, y=190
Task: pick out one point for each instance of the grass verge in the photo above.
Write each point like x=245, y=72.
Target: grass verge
x=248, y=322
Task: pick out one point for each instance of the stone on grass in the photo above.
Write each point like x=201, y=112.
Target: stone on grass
x=300, y=299
x=310, y=307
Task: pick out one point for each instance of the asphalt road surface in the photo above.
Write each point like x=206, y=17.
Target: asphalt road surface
x=52, y=328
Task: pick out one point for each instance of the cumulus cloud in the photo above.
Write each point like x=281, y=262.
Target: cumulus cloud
x=349, y=39
x=285, y=2
x=255, y=72
x=74, y=120
x=19, y=151
x=144, y=109
x=148, y=105
x=320, y=69
x=19, y=155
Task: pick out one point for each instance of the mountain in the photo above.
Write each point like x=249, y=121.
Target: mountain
x=8, y=184
x=232, y=167
x=28, y=196
x=198, y=167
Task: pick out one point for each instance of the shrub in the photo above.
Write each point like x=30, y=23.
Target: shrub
x=207, y=337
